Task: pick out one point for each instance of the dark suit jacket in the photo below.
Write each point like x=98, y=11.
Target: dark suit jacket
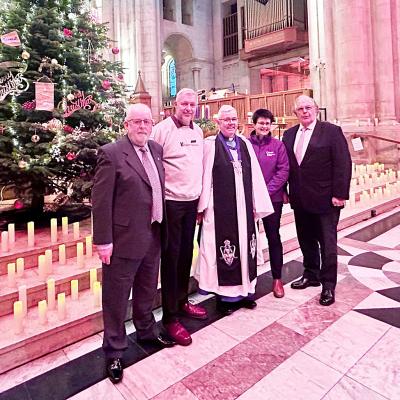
x=325, y=171
x=122, y=199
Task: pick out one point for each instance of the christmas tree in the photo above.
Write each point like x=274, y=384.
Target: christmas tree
x=60, y=99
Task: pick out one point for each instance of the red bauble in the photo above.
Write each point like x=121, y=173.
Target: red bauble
x=106, y=84
x=115, y=50
x=70, y=156
x=29, y=105
x=120, y=77
x=18, y=204
x=67, y=32
x=68, y=129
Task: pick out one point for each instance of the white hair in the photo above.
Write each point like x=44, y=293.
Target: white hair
x=304, y=97
x=185, y=91
x=133, y=108
x=225, y=109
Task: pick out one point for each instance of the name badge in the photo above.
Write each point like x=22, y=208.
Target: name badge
x=193, y=142
x=270, y=153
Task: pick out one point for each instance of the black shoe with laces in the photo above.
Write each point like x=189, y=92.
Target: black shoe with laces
x=114, y=370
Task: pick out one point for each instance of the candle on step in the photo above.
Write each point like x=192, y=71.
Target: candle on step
x=62, y=257
x=42, y=308
x=4, y=241
x=31, y=234
x=76, y=230
x=74, y=289
x=64, y=225
x=49, y=261
x=93, y=277
x=51, y=293
x=11, y=274
x=97, y=294
x=89, y=246
x=22, y=296
x=61, y=309
x=80, y=260
x=53, y=230
x=11, y=234
x=42, y=266
x=20, y=266
x=18, y=317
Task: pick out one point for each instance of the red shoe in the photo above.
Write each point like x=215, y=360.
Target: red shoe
x=193, y=311
x=178, y=333
x=277, y=288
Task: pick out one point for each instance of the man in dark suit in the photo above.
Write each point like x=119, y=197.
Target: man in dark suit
x=128, y=223
x=319, y=184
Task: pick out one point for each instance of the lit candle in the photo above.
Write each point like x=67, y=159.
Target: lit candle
x=11, y=234
x=249, y=117
x=53, y=230
x=376, y=121
x=89, y=246
x=74, y=289
x=357, y=122
x=352, y=199
x=76, y=230
x=49, y=261
x=283, y=120
x=97, y=294
x=61, y=309
x=18, y=317
x=62, y=257
x=20, y=266
x=42, y=307
x=51, y=293
x=22, y=297
x=4, y=241
x=80, y=260
x=93, y=277
x=31, y=234
x=42, y=266
x=11, y=274
x=64, y=225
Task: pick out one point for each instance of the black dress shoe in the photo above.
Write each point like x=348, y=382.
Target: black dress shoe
x=114, y=370
x=162, y=340
x=226, y=307
x=247, y=303
x=303, y=283
x=327, y=297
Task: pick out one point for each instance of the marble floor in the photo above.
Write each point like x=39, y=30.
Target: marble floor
x=289, y=348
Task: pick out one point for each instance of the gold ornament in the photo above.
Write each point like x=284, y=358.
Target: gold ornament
x=70, y=97
x=22, y=164
x=54, y=61
x=25, y=55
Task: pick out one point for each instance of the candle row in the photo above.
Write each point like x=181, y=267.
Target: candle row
x=20, y=306
x=380, y=193
x=8, y=237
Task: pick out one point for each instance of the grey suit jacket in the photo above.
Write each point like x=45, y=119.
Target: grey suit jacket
x=122, y=199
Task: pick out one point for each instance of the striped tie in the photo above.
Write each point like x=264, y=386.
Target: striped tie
x=156, y=212
x=300, y=145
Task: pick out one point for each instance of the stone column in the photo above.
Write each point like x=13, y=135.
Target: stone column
x=353, y=60
x=383, y=60
x=196, y=78
x=396, y=54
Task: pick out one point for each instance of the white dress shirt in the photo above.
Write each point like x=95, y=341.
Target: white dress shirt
x=308, y=133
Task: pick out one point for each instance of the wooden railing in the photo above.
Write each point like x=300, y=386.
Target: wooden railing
x=279, y=103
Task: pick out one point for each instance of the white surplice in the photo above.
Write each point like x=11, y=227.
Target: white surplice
x=206, y=268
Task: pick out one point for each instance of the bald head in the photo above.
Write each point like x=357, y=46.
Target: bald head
x=134, y=109
x=138, y=123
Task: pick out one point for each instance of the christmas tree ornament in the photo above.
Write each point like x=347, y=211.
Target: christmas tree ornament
x=35, y=137
x=2, y=129
x=44, y=94
x=70, y=156
x=22, y=164
x=67, y=32
x=115, y=50
x=54, y=61
x=50, y=65
x=29, y=105
x=70, y=97
x=12, y=85
x=80, y=102
x=106, y=84
x=54, y=125
x=18, y=204
x=120, y=77
x=68, y=129
x=25, y=55
x=11, y=39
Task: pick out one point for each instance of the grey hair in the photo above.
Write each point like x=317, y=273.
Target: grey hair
x=184, y=91
x=224, y=109
x=304, y=97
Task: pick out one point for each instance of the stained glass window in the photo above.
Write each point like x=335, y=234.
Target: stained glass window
x=172, y=78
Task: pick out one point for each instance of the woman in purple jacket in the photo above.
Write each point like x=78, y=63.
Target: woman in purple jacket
x=273, y=159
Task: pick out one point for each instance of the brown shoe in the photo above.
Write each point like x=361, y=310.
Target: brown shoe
x=178, y=333
x=194, y=311
x=277, y=288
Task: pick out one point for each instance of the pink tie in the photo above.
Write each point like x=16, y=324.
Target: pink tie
x=300, y=144
x=156, y=212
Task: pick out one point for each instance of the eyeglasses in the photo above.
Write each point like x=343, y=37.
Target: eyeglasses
x=228, y=120
x=263, y=123
x=138, y=122
x=305, y=109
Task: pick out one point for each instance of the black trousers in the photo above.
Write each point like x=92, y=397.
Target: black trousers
x=317, y=235
x=272, y=224
x=119, y=278
x=176, y=259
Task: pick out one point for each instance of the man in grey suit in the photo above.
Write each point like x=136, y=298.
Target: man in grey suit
x=128, y=224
